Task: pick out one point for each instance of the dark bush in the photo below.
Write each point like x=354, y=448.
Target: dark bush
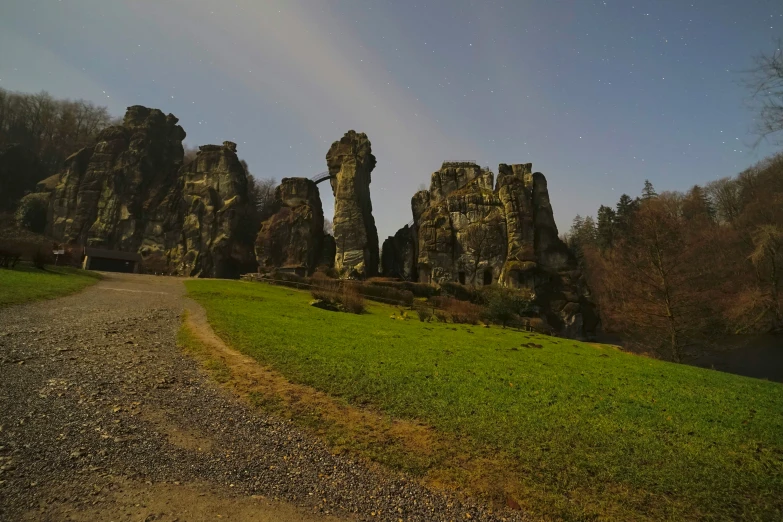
x=328, y=271
x=458, y=291
x=351, y=300
x=385, y=294
x=41, y=257
x=504, y=305
x=9, y=257
x=417, y=289
x=459, y=311
x=31, y=212
x=325, y=288
x=442, y=315
x=424, y=311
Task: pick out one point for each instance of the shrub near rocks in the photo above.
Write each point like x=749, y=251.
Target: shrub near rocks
x=460, y=292
x=324, y=288
x=336, y=294
x=351, y=300
x=385, y=294
x=424, y=311
x=417, y=289
x=457, y=311
x=504, y=305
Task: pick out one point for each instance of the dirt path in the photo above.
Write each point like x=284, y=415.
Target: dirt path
x=102, y=417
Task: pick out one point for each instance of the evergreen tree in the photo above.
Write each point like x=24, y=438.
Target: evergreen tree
x=696, y=206
x=625, y=210
x=648, y=192
x=606, y=218
x=589, y=233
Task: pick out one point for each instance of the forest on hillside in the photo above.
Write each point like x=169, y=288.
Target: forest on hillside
x=673, y=272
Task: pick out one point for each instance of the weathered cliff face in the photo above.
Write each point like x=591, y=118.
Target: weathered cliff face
x=398, y=255
x=293, y=237
x=109, y=191
x=350, y=163
x=217, y=231
x=460, y=231
x=130, y=192
x=469, y=231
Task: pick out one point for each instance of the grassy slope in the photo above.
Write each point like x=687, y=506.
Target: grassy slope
x=25, y=283
x=590, y=430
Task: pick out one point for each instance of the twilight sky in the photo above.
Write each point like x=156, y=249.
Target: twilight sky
x=598, y=95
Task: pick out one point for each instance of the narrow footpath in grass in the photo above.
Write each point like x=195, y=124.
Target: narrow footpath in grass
x=25, y=283
x=563, y=428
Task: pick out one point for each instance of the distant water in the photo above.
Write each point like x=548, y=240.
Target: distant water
x=759, y=356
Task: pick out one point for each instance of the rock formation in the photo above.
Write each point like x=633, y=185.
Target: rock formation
x=467, y=230
x=217, y=226
x=398, y=255
x=293, y=237
x=350, y=163
x=130, y=192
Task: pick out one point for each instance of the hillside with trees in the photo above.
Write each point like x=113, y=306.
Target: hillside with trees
x=37, y=133
x=671, y=272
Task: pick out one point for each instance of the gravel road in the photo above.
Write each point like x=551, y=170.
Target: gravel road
x=102, y=417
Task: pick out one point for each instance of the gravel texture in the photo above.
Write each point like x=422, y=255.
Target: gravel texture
x=100, y=411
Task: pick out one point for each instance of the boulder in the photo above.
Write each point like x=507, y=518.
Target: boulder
x=351, y=163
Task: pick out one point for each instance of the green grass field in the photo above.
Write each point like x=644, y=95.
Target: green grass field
x=587, y=431
x=26, y=283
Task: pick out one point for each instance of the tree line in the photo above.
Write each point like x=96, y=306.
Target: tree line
x=46, y=131
x=672, y=272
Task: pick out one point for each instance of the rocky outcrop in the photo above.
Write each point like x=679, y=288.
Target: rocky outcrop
x=294, y=236
x=398, y=255
x=217, y=226
x=130, y=192
x=351, y=163
x=470, y=231
x=109, y=192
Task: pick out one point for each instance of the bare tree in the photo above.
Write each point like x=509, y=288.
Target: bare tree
x=659, y=286
x=190, y=155
x=43, y=132
x=262, y=194
x=766, y=82
x=767, y=256
x=724, y=194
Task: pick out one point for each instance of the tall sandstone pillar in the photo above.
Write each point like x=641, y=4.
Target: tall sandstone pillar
x=350, y=163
